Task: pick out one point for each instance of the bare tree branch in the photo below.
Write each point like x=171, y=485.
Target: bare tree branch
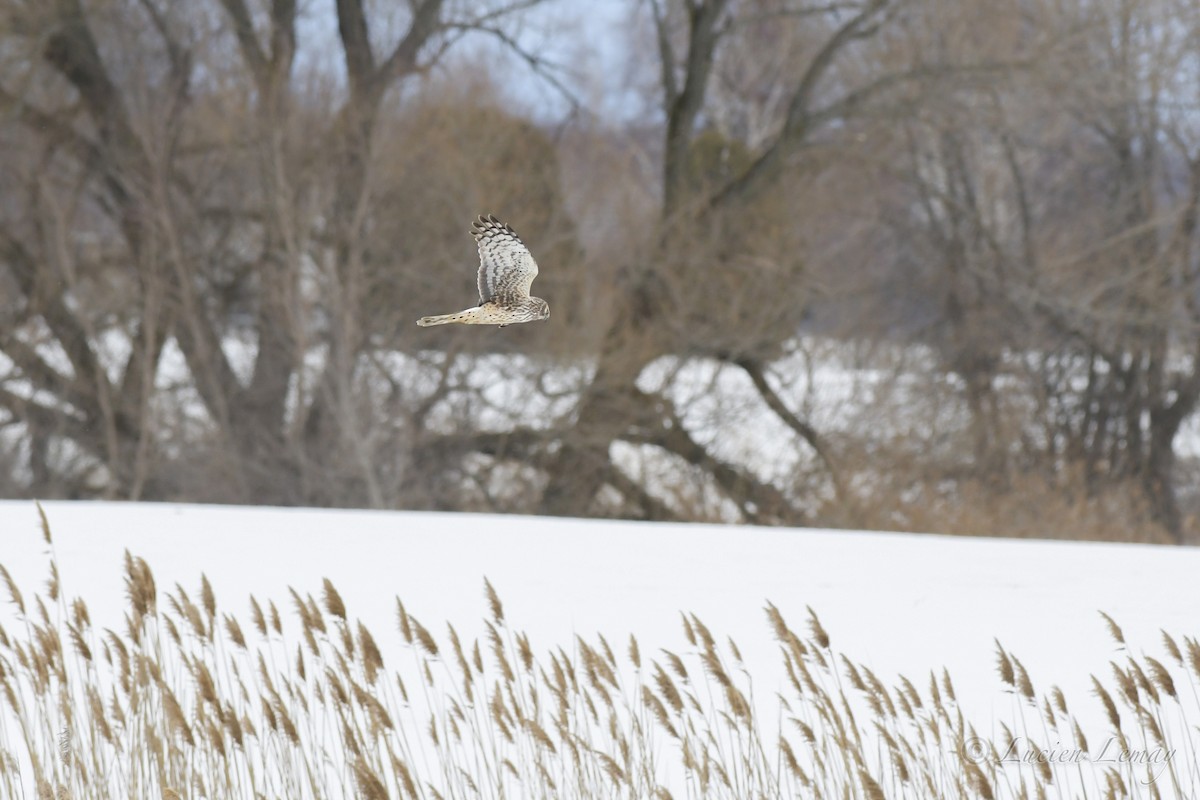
x=703, y=35
x=356, y=44
x=755, y=370
x=652, y=508
x=759, y=502
x=425, y=23
x=72, y=50
x=540, y=66
x=801, y=118
x=666, y=54
x=243, y=29
x=58, y=317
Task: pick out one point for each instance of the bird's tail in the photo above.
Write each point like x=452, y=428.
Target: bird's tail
x=445, y=319
x=442, y=319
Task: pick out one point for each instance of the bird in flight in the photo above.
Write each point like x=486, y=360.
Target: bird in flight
x=506, y=271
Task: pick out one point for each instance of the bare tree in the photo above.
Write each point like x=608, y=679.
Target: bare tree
x=1053, y=217
x=1124, y=301
x=681, y=297
x=223, y=210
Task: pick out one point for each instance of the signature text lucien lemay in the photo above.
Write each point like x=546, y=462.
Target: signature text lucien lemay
x=1155, y=760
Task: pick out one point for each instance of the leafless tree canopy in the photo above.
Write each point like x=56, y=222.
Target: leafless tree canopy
x=925, y=264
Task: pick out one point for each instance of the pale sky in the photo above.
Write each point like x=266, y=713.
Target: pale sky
x=586, y=41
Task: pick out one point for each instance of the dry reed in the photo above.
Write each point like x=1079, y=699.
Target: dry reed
x=179, y=702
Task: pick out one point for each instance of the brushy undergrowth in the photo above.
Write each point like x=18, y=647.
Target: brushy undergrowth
x=187, y=702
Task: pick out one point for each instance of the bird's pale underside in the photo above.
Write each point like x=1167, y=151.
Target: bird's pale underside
x=506, y=271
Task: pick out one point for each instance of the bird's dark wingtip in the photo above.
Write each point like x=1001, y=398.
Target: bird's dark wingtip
x=486, y=221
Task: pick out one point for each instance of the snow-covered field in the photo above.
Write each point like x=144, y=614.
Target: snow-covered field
x=901, y=604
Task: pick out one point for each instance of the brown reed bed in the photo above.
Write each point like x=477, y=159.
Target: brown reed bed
x=187, y=700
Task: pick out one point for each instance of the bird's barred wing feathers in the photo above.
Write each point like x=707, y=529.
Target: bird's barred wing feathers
x=506, y=269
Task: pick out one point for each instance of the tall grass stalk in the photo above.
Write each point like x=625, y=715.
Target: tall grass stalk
x=185, y=699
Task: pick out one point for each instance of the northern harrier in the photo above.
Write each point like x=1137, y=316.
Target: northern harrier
x=506, y=271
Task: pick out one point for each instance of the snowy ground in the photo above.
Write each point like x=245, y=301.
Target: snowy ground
x=899, y=603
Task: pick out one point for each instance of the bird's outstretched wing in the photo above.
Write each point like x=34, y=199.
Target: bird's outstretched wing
x=506, y=269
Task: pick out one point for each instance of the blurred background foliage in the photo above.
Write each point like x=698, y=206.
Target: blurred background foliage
x=917, y=264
